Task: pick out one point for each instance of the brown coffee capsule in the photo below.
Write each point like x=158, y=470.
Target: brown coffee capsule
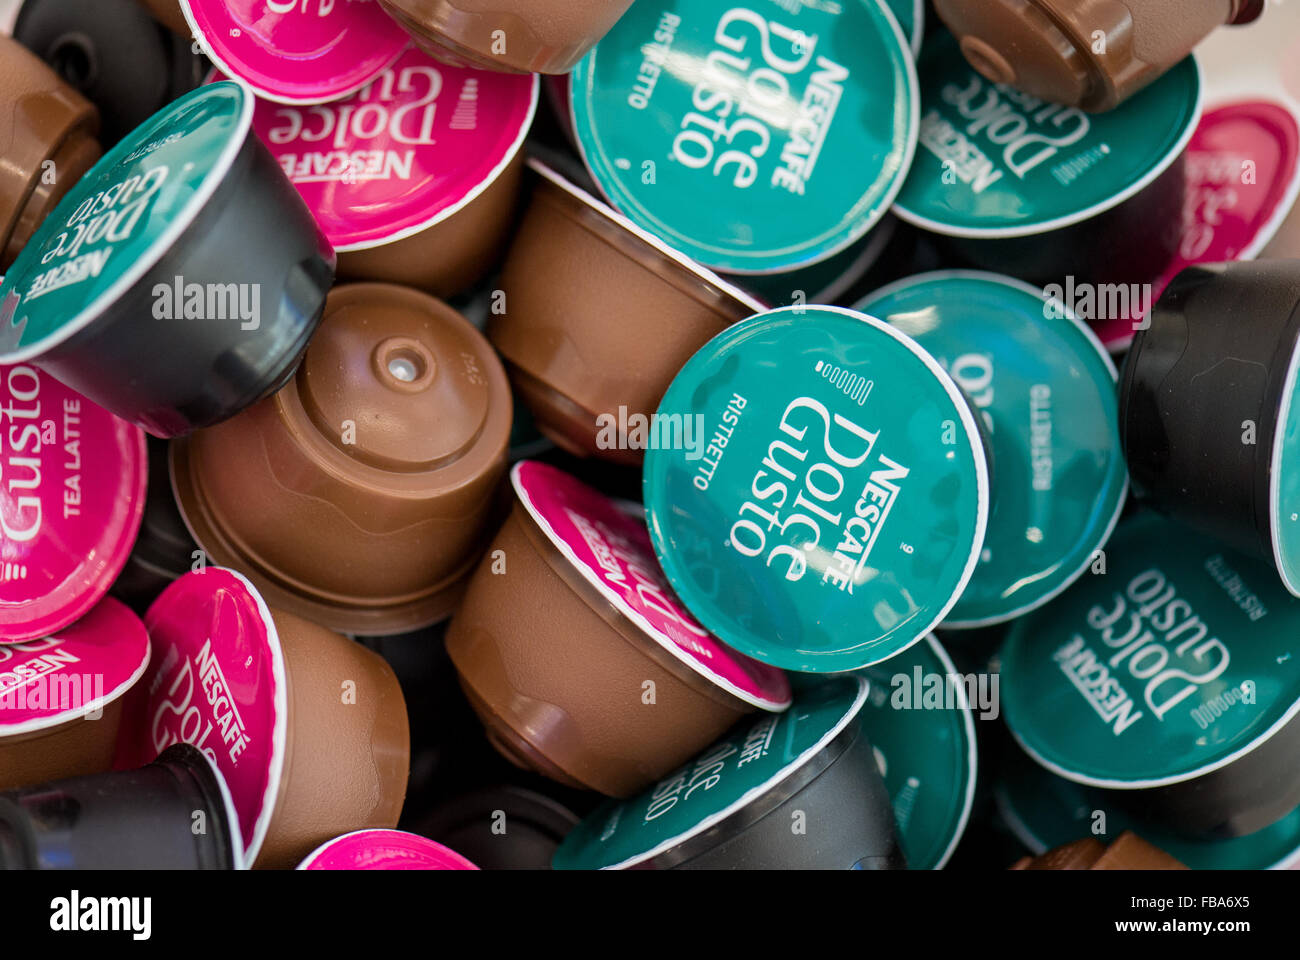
x=47, y=142
x=308, y=728
x=574, y=653
x=598, y=318
x=1091, y=54
x=518, y=36
x=360, y=495
x=1128, y=851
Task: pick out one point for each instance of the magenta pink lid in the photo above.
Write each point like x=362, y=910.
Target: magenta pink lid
x=408, y=150
x=608, y=544
x=383, y=850
x=73, y=673
x=297, y=51
x=1242, y=177
x=217, y=681
x=72, y=492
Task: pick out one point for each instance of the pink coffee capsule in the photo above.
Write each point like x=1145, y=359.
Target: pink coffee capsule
x=297, y=51
x=414, y=177
x=72, y=493
x=1243, y=173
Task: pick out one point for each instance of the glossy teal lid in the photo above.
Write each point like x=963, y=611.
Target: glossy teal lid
x=837, y=509
x=996, y=162
x=919, y=721
x=1182, y=658
x=1046, y=390
x=755, y=138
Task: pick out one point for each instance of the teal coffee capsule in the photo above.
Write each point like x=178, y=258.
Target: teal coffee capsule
x=1171, y=682
x=798, y=790
x=918, y=715
x=1043, y=191
x=835, y=511
x=795, y=122
x=1045, y=389
x=179, y=280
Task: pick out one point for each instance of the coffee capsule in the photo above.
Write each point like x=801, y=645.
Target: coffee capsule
x=501, y=828
x=1046, y=811
x=1242, y=179
x=918, y=717
x=144, y=819
x=736, y=805
x=1042, y=191
x=521, y=36
x=178, y=281
x=1171, y=682
x=308, y=728
x=365, y=489
x=164, y=549
x=61, y=696
x=836, y=510
x=1258, y=66
x=1128, y=851
x=798, y=126
x=413, y=178
x=383, y=850
x=168, y=13
x=575, y=654
x=72, y=491
x=1045, y=389
x=1092, y=55
x=1210, y=412
x=306, y=51
x=598, y=316
x=114, y=54
x=47, y=139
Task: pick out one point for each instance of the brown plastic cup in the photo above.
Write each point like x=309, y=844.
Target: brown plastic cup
x=309, y=729
x=360, y=495
x=518, y=36
x=61, y=696
x=1128, y=851
x=599, y=317
x=572, y=674
x=47, y=142
x=1091, y=54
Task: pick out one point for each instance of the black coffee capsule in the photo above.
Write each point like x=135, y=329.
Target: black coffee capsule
x=1210, y=415
x=174, y=814
x=798, y=790
x=118, y=57
x=501, y=828
x=179, y=281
